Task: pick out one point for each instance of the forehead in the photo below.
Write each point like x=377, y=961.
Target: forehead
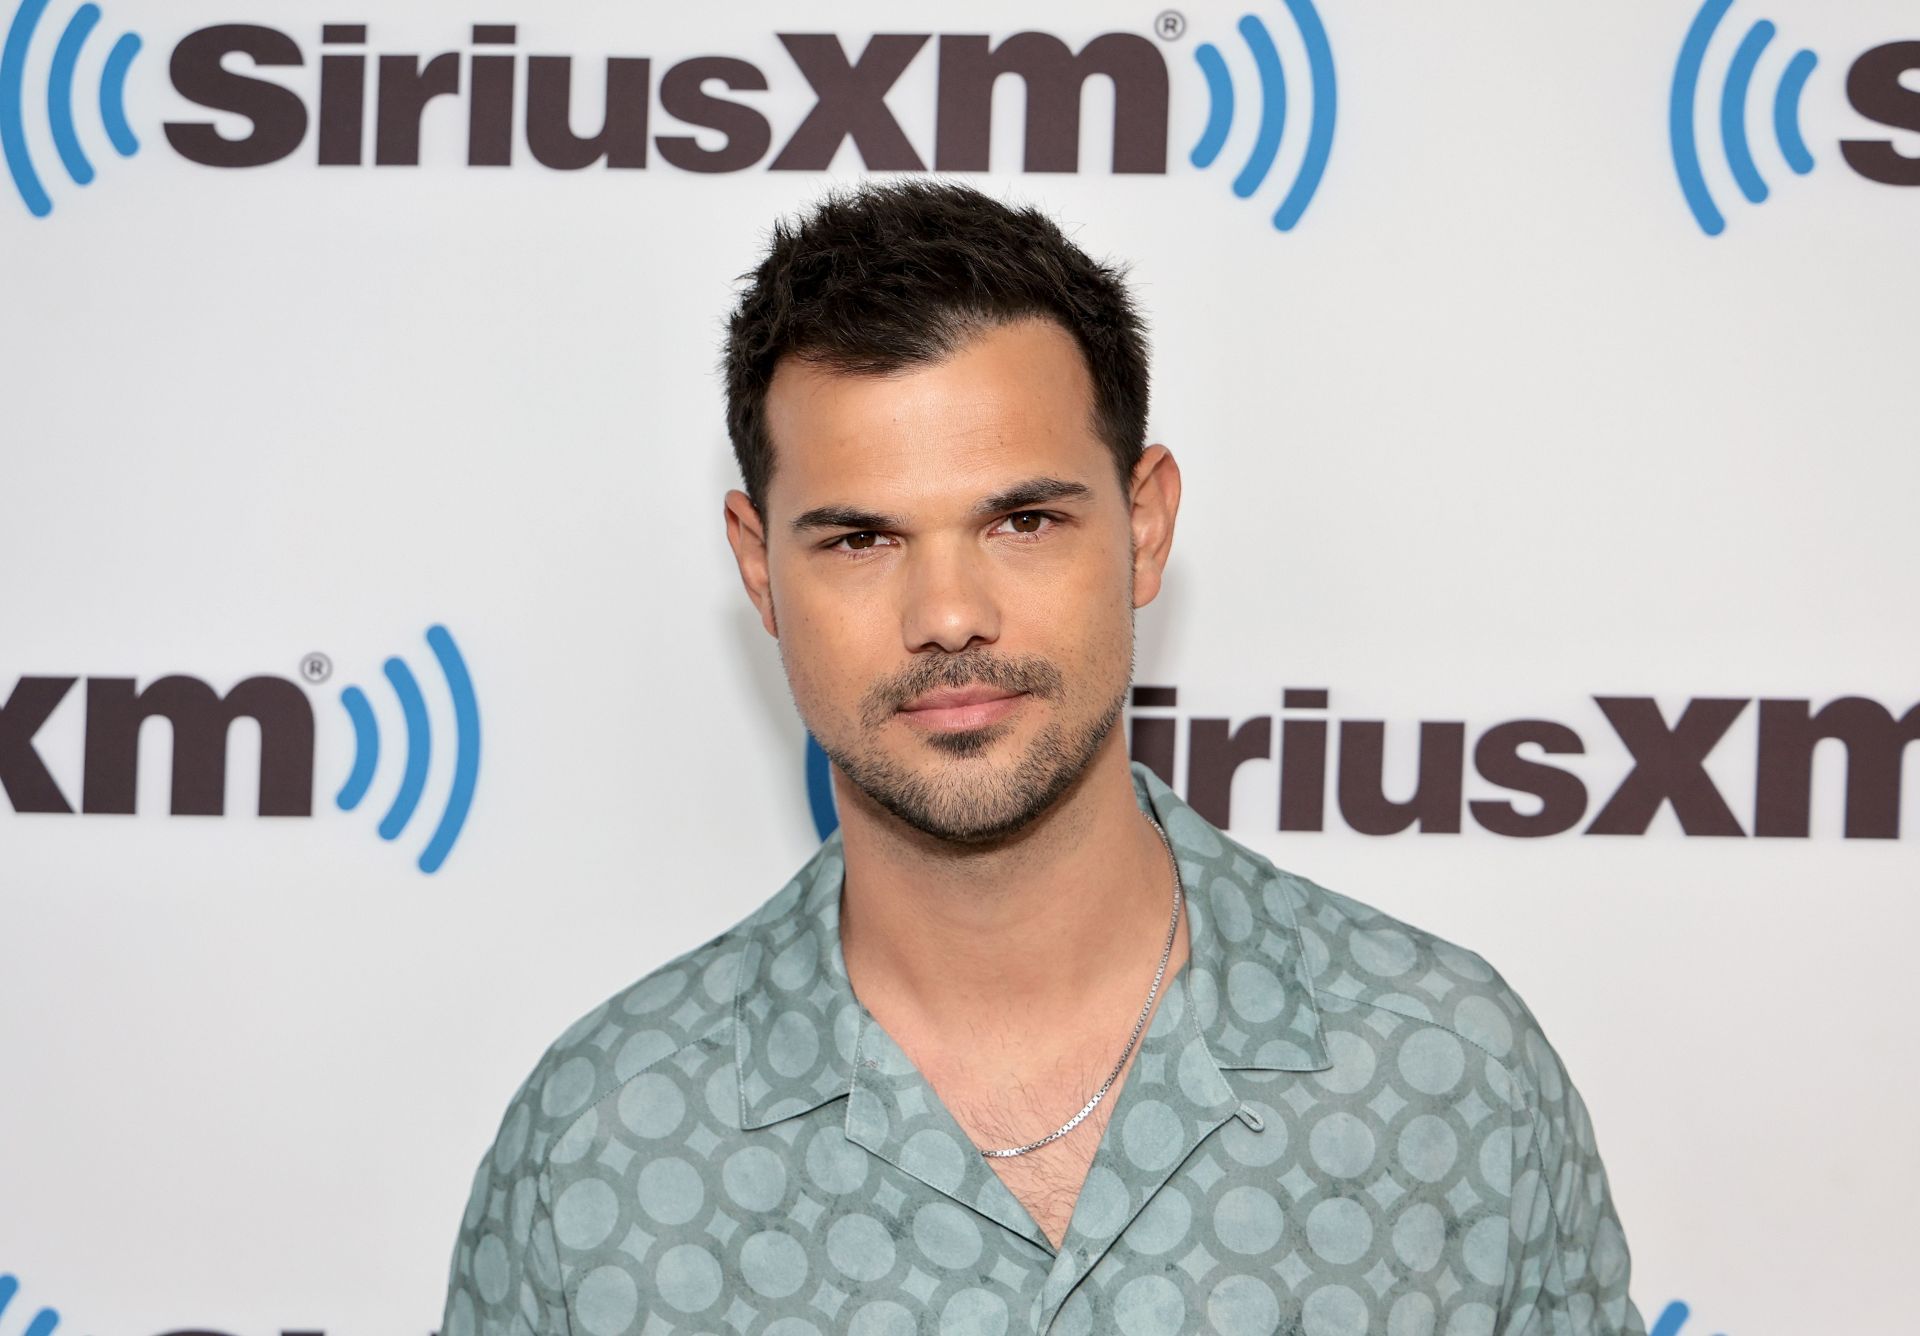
x=1012, y=402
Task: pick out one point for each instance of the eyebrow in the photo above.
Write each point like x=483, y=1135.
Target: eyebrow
x=843, y=517
x=1033, y=492
x=1020, y=496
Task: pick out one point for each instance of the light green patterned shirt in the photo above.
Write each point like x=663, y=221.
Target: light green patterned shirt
x=1336, y=1123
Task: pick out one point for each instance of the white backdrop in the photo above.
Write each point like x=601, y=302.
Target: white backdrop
x=1495, y=429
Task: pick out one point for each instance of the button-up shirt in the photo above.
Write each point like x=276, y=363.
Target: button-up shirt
x=1336, y=1123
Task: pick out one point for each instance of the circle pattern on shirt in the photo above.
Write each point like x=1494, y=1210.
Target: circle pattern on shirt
x=1373, y=1194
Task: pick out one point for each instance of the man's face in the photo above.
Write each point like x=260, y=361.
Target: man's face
x=950, y=571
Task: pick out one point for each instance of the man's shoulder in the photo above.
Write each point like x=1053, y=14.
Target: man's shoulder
x=671, y=1018
x=1381, y=972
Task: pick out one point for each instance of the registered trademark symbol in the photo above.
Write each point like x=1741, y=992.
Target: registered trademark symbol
x=316, y=667
x=1170, y=24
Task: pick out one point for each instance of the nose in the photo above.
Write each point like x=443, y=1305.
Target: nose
x=949, y=600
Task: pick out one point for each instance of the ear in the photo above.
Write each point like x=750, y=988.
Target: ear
x=747, y=536
x=1155, y=500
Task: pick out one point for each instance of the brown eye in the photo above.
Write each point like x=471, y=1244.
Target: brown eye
x=1026, y=521
x=860, y=541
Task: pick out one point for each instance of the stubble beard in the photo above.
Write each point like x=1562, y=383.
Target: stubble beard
x=976, y=804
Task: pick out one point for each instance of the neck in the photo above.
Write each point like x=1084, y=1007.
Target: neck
x=1056, y=919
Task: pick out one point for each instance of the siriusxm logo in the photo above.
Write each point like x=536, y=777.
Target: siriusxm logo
x=1873, y=88
x=365, y=107
x=59, y=100
x=201, y=719
x=1668, y=758
x=41, y=1324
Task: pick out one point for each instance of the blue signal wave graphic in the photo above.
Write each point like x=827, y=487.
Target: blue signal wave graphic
x=826, y=819
x=60, y=120
x=42, y=1322
x=1734, y=96
x=1273, y=110
x=1671, y=1319
x=413, y=778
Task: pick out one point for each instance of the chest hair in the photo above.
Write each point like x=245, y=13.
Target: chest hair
x=1046, y=1181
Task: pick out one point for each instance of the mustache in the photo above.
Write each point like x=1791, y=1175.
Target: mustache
x=1028, y=673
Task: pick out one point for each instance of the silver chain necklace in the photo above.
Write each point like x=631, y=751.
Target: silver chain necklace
x=1166, y=953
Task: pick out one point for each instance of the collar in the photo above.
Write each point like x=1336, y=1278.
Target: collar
x=802, y=1038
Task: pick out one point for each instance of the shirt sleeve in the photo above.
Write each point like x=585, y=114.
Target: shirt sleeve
x=505, y=1276
x=1567, y=1260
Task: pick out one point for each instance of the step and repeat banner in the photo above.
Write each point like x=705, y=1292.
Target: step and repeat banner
x=377, y=683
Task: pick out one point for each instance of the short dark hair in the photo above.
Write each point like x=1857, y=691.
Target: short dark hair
x=887, y=275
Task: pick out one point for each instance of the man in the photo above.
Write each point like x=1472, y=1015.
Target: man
x=1027, y=1045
